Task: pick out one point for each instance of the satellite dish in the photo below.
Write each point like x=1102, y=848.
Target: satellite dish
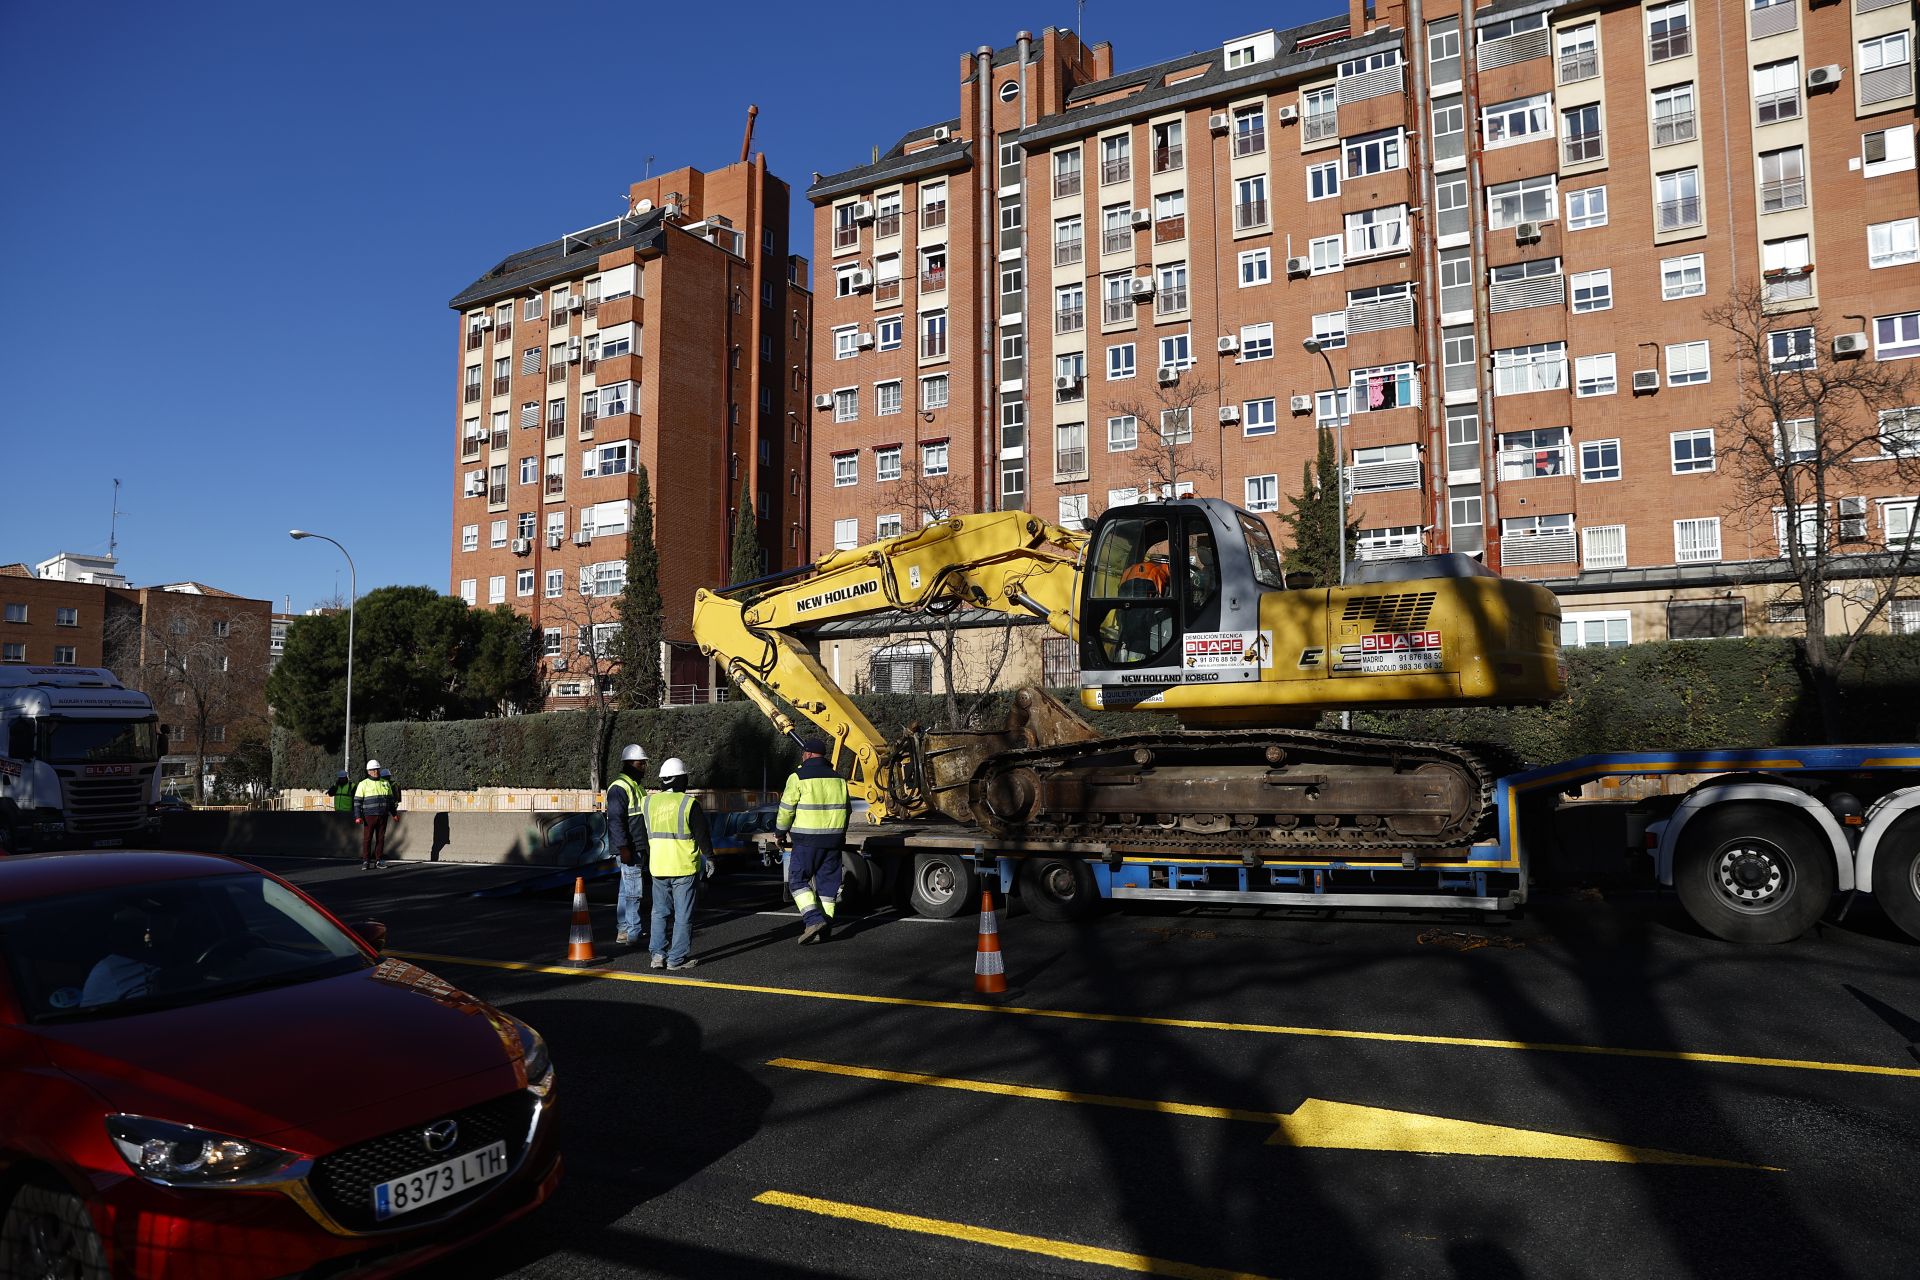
x=643, y=206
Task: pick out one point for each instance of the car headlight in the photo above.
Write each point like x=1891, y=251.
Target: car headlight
x=181, y=1155
x=536, y=1059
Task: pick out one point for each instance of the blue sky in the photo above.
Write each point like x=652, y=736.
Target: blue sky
x=231, y=231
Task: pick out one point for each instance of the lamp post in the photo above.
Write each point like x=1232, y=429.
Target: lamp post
x=353, y=590
x=1339, y=449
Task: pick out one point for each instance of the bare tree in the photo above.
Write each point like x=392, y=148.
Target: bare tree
x=589, y=648
x=203, y=664
x=1171, y=421
x=1810, y=436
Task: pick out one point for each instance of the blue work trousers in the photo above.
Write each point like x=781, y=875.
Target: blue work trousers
x=673, y=894
x=633, y=891
x=813, y=876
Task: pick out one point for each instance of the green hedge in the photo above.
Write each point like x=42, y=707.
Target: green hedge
x=1646, y=697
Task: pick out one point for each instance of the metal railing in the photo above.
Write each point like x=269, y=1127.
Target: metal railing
x=1116, y=239
x=1318, y=126
x=1582, y=148
x=932, y=344
x=1536, y=464
x=1166, y=159
x=887, y=224
x=1118, y=311
x=1112, y=171
x=1249, y=139
x=469, y=446
x=475, y=337
x=1070, y=463
x=556, y=428
x=556, y=485
x=1782, y=194
x=692, y=695
x=1067, y=252
x=933, y=215
x=1069, y=319
x=1170, y=299
x=933, y=281
x=1674, y=43
x=497, y=439
x=846, y=237
x=500, y=385
x=557, y=371
x=1579, y=64
x=1249, y=213
x=1066, y=184
x=1670, y=215
x=1784, y=104
x=496, y=495
x=1678, y=127
x=473, y=392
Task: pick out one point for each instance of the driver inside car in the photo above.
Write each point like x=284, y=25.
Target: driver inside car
x=145, y=937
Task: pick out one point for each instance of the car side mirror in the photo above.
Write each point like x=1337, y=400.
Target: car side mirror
x=373, y=933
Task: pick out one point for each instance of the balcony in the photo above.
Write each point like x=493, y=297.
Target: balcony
x=475, y=337
x=497, y=495
x=1382, y=81
x=473, y=392
x=1250, y=140
x=469, y=446
x=1507, y=50
x=1791, y=285
x=498, y=440
x=1678, y=127
x=1318, y=126
x=1579, y=64
x=1116, y=239
x=1671, y=215
x=933, y=216
x=1113, y=171
x=1783, y=194
x=1069, y=319
x=1118, y=311
x=1379, y=477
x=886, y=225
x=557, y=371
x=1583, y=148
x=885, y=291
x=933, y=346
x=1373, y=317
x=1169, y=229
x=1677, y=43
x=846, y=237
x=1773, y=19
x=1537, y=548
x=1070, y=464
x=501, y=386
x=556, y=428
x=588, y=416
x=1249, y=214
x=1067, y=252
x=1066, y=185
x=1395, y=548
x=933, y=281
x=1170, y=300
x=1167, y=159
x=1536, y=464
x=1535, y=291
x=1883, y=84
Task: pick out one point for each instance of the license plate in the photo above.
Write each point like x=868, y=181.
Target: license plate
x=448, y=1178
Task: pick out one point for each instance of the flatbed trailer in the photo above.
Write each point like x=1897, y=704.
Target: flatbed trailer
x=1756, y=850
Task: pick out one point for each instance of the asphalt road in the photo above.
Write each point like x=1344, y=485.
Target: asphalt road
x=1198, y=1093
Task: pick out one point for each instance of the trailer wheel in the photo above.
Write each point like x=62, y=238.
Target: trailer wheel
x=1752, y=873
x=857, y=880
x=943, y=885
x=1058, y=889
x=1896, y=875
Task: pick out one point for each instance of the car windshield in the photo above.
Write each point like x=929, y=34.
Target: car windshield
x=131, y=949
x=102, y=741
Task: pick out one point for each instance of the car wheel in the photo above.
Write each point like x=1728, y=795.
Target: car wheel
x=1058, y=889
x=1896, y=875
x=943, y=884
x=1753, y=873
x=48, y=1235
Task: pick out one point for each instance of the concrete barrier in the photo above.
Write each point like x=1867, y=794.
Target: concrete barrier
x=525, y=839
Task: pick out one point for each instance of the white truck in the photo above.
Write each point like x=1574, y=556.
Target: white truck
x=79, y=760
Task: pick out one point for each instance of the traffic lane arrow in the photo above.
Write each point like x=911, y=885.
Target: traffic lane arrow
x=1317, y=1123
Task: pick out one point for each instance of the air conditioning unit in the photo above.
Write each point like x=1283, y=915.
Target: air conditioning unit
x=863, y=211
x=557, y=662
x=1853, y=507
x=521, y=546
x=1287, y=114
x=573, y=354
x=1169, y=374
x=1299, y=266
x=1227, y=344
x=1849, y=344
x=554, y=540
x=475, y=490
x=574, y=302
x=1826, y=77
x=1142, y=218
x=486, y=322
x=1526, y=232
x=942, y=133
x=1646, y=381
x=1302, y=404
x=583, y=537
x=823, y=401
x=859, y=280
x=1219, y=122
x=862, y=341
x=1067, y=383
x=1229, y=413
x=1140, y=287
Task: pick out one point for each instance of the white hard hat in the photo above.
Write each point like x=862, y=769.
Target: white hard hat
x=373, y=766
x=674, y=768
x=632, y=751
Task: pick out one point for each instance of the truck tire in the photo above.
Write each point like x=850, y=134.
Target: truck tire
x=858, y=879
x=944, y=885
x=1058, y=889
x=46, y=1231
x=1753, y=873
x=1896, y=875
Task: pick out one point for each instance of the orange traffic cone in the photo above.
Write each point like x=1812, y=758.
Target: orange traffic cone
x=989, y=970
x=580, y=939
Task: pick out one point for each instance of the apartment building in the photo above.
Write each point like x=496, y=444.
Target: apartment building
x=1477, y=244
x=673, y=337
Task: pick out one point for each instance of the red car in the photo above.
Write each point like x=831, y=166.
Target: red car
x=203, y=1073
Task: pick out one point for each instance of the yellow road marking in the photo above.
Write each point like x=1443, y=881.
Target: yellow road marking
x=1317, y=1123
x=1182, y=1024
x=1064, y=1249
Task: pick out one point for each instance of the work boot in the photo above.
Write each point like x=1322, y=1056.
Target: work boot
x=813, y=933
x=659, y=961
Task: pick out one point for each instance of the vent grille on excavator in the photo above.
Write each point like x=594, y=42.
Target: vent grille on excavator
x=1406, y=611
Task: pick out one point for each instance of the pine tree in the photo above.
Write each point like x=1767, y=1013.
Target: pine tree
x=637, y=647
x=748, y=560
x=1314, y=523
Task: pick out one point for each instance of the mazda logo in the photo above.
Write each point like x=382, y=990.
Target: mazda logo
x=440, y=1135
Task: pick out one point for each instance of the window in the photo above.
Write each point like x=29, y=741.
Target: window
x=846, y=534
x=933, y=392
x=1123, y=433
x=1790, y=348
x=1443, y=50
x=497, y=589
x=1168, y=148
x=1332, y=408
x=1384, y=387
x=1177, y=350
x=933, y=458
x=844, y=279
x=1594, y=376
x=886, y=396
x=1250, y=203
x=1176, y=426
x=1263, y=493
x=66, y=617
x=1256, y=267
x=1370, y=153
x=1673, y=115
x=1069, y=242
x=1887, y=151
x=1259, y=417
x=933, y=335
x=846, y=404
x=1070, y=377
x=1599, y=460
x=1579, y=52
x=1528, y=200
x=1886, y=70
x=1803, y=525
x=1323, y=180
x=65, y=655
x=1319, y=114
x=1604, y=546
x=1687, y=364
x=1595, y=630
x=1890, y=244
x=886, y=463
x=1116, y=228
x=469, y=592
x=1120, y=361
x=1449, y=129
x=1511, y=27
x=1696, y=541
x=1692, y=451
x=1450, y=207
x=1324, y=254
x=1256, y=342
x=1115, y=159
x=606, y=460
x=1249, y=131
x=846, y=469
x=1011, y=218
x=1070, y=308
x=1684, y=277
x=1544, y=539
x=1539, y=367
x=1783, y=180
x=1592, y=290
x=1070, y=450
x=844, y=337
x=1897, y=337
x=1668, y=31
x=18, y=612
x=1330, y=329
x=498, y=534
x=1532, y=455
x=1899, y=433
x=469, y=541
x=1583, y=141
x=1521, y=120
x=1377, y=231
x=1795, y=440
x=1776, y=91
x=1678, y=200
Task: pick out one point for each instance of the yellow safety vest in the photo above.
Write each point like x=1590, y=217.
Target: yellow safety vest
x=670, y=847
x=636, y=806
x=813, y=808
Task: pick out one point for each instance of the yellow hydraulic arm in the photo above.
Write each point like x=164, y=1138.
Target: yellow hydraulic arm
x=1007, y=561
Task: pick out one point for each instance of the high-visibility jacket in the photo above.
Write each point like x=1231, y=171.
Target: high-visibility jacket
x=674, y=827
x=626, y=814
x=374, y=798
x=814, y=806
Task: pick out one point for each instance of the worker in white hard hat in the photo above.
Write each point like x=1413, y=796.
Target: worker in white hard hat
x=374, y=801
x=679, y=850
x=627, y=837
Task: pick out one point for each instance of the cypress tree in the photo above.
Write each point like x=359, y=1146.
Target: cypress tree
x=749, y=562
x=1314, y=523
x=637, y=647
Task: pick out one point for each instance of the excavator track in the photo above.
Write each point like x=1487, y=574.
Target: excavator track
x=1239, y=792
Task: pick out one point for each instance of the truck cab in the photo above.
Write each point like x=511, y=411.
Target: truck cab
x=79, y=759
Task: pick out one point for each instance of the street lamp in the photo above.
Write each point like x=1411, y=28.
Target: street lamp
x=1339, y=447
x=353, y=590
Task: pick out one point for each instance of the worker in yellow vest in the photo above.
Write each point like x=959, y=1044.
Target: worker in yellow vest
x=813, y=815
x=627, y=837
x=375, y=800
x=679, y=851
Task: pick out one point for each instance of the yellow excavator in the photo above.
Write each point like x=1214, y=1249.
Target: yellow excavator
x=1182, y=607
